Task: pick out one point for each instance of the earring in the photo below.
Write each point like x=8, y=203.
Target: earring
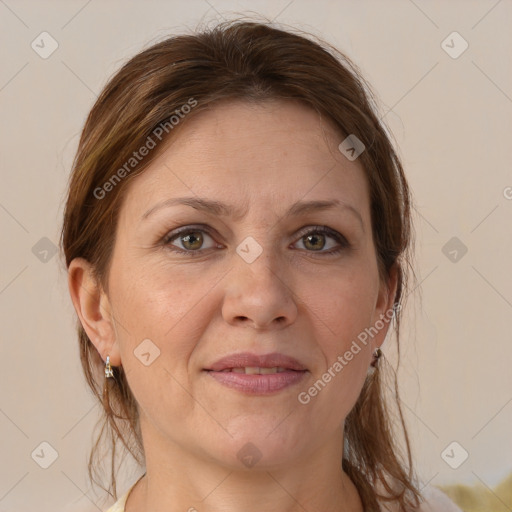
x=108, y=369
x=374, y=364
x=376, y=356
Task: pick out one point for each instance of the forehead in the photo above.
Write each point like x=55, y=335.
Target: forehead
x=239, y=130
x=252, y=154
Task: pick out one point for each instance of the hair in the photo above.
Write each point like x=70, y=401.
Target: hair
x=255, y=62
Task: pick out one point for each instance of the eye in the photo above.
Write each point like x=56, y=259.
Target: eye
x=314, y=240
x=189, y=239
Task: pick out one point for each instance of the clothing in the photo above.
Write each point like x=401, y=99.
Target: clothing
x=435, y=501
x=118, y=506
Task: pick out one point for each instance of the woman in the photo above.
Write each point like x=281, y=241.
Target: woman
x=237, y=235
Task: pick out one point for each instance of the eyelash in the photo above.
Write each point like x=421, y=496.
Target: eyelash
x=324, y=230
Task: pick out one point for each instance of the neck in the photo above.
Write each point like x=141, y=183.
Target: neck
x=314, y=481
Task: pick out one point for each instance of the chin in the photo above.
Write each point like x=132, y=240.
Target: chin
x=258, y=450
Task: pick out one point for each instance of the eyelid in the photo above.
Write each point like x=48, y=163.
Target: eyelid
x=166, y=240
x=326, y=230
x=342, y=241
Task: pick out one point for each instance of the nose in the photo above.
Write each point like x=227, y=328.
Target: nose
x=259, y=294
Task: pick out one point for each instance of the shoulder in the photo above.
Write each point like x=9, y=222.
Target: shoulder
x=433, y=500
x=118, y=506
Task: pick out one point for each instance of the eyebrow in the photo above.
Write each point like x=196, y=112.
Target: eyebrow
x=222, y=209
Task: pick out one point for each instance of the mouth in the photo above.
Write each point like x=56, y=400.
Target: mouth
x=257, y=375
x=255, y=370
x=249, y=363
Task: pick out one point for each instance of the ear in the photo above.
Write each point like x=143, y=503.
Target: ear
x=384, y=307
x=93, y=309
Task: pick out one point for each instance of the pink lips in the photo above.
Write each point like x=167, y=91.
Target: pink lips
x=244, y=359
x=256, y=383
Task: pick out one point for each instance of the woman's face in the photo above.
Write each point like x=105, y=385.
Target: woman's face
x=250, y=271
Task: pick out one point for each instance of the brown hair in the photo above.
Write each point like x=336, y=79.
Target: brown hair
x=252, y=62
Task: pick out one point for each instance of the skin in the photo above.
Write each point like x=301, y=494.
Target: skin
x=292, y=299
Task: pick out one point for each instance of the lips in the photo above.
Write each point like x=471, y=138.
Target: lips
x=246, y=362
x=257, y=375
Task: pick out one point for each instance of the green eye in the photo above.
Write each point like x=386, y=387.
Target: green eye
x=191, y=240
x=314, y=240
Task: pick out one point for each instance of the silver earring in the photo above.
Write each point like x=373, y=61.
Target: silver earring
x=374, y=364
x=376, y=356
x=108, y=369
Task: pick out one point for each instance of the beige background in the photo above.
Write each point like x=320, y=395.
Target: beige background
x=452, y=121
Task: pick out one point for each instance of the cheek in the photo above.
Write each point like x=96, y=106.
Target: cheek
x=341, y=310
x=162, y=318
x=161, y=313
x=153, y=300
x=337, y=383
x=343, y=305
